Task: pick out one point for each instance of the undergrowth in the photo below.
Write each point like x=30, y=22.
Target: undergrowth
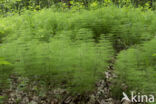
x=136, y=68
x=72, y=49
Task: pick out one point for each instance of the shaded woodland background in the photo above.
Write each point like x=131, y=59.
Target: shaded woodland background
x=19, y=5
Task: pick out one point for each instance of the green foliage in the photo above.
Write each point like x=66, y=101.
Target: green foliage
x=136, y=67
x=5, y=71
x=77, y=64
x=72, y=48
x=2, y=98
x=3, y=62
x=119, y=25
x=3, y=31
x=43, y=46
x=18, y=6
